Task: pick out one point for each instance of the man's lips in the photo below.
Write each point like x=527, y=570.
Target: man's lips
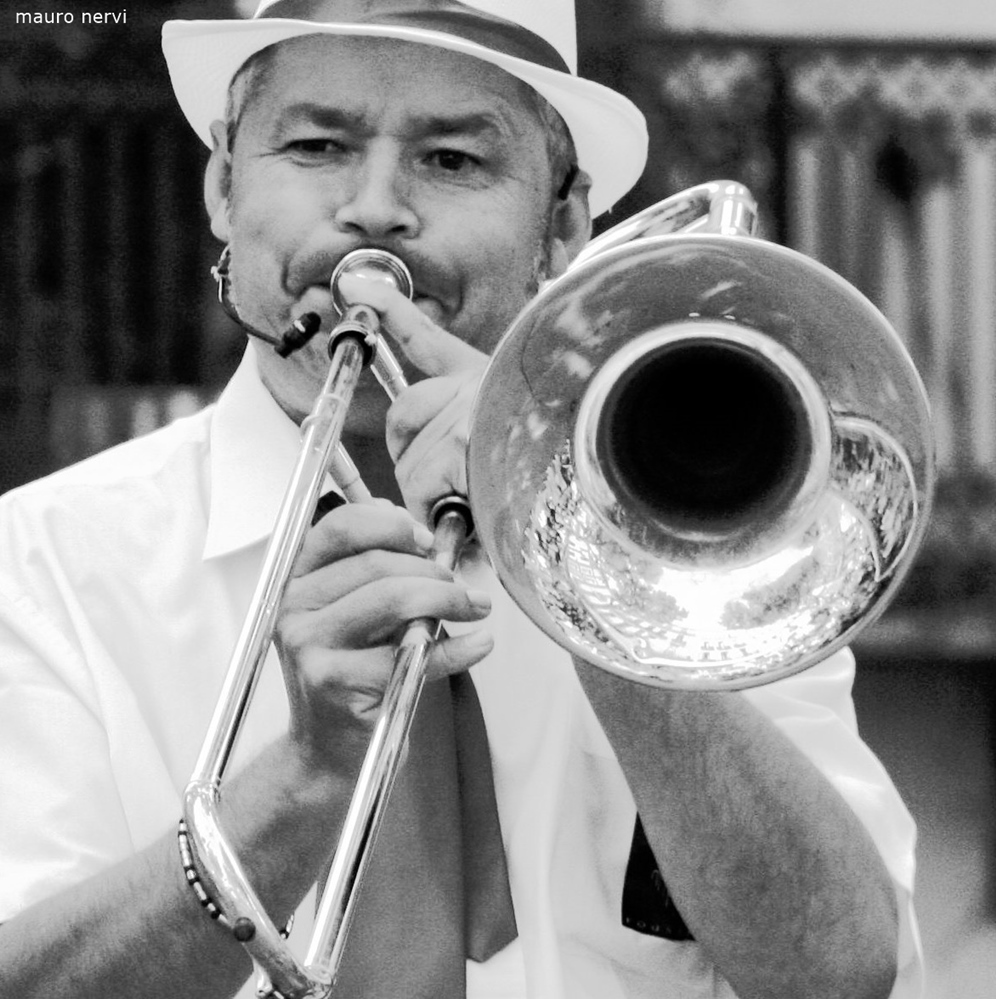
x=318, y=299
x=430, y=307
x=434, y=290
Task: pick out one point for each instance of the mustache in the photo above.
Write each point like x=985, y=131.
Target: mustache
x=428, y=278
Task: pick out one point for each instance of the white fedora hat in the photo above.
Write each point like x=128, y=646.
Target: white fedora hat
x=531, y=39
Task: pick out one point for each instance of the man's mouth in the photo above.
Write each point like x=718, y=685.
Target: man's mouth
x=318, y=299
x=430, y=307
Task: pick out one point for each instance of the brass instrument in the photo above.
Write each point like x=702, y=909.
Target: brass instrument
x=698, y=460
x=353, y=344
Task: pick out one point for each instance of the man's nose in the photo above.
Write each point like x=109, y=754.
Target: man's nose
x=378, y=205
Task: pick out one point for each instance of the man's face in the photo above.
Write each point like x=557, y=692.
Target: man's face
x=435, y=156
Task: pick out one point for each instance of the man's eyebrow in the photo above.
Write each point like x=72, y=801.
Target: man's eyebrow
x=473, y=123
x=322, y=115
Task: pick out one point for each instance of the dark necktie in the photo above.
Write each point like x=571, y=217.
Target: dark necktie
x=437, y=889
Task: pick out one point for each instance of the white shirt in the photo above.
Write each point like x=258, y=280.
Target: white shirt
x=123, y=583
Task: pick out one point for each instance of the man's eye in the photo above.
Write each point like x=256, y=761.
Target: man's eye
x=315, y=147
x=454, y=160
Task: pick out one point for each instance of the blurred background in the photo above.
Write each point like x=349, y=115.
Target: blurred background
x=865, y=128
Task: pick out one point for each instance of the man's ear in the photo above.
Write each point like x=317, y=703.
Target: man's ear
x=570, y=227
x=218, y=182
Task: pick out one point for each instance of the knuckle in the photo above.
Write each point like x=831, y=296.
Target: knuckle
x=337, y=527
x=300, y=630
x=374, y=563
x=441, y=660
x=311, y=669
x=400, y=423
x=358, y=528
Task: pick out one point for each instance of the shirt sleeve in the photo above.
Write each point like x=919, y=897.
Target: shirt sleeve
x=61, y=817
x=815, y=710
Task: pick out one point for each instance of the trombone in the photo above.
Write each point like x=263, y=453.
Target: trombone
x=697, y=460
x=354, y=344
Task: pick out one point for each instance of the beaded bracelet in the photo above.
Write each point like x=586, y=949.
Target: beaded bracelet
x=243, y=929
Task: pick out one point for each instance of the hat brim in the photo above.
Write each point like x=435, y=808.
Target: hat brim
x=609, y=131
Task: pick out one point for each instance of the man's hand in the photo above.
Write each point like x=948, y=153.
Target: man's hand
x=362, y=575
x=428, y=426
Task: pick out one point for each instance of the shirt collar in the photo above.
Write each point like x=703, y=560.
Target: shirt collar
x=254, y=447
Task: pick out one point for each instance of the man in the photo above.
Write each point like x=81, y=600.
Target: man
x=430, y=129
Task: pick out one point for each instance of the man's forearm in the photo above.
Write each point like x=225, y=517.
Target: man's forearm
x=138, y=930
x=771, y=870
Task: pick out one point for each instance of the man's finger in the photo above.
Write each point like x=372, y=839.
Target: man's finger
x=358, y=527
x=328, y=583
x=435, y=399
x=372, y=614
x=428, y=346
x=456, y=654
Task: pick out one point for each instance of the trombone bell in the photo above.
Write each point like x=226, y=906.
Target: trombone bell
x=698, y=459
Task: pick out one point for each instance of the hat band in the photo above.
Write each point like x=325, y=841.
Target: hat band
x=447, y=16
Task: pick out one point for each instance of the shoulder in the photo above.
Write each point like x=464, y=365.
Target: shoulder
x=116, y=500
x=151, y=457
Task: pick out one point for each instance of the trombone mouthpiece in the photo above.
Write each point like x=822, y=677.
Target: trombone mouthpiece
x=373, y=265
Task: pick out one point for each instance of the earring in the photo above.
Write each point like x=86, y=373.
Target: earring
x=220, y=274
x=222, y=278
x=300, y=331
